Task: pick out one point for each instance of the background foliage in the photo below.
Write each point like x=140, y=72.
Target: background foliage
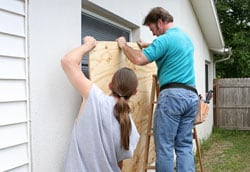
x=234, y=18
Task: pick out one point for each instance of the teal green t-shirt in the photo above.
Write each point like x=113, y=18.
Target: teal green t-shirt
x=173, y=53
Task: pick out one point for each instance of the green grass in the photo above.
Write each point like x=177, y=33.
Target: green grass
x=226, y=151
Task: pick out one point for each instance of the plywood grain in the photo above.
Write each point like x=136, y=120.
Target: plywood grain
x=104, y=60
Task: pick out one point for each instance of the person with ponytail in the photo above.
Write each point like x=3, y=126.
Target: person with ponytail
x=104, y=133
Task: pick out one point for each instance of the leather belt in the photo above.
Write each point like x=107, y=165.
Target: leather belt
x=178, y=85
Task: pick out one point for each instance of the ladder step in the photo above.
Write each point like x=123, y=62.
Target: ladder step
x=155, y=102
x=150, y=134
x=150, y=167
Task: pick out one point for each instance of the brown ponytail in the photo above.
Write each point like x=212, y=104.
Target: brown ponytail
x=121, y=111
x=124, y=84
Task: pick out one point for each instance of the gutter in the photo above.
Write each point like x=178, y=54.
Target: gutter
x=223, y=51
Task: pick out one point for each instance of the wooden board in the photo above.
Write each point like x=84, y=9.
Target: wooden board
x=232, y=103
x=104, y=60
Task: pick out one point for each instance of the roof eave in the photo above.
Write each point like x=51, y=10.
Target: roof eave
x=207, y=17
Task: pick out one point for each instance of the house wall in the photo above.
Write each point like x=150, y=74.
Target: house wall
x=54, y=29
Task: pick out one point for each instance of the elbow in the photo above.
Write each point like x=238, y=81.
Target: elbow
x=65, y=62
x=138, y=62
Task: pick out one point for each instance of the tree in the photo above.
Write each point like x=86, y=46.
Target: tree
x=234, y=16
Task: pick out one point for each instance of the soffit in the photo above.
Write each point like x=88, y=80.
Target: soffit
x=207, y=17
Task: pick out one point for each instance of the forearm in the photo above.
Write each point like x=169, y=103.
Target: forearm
x=75, y=55
x=70, y=64
x=135, y=56
x=130, y=53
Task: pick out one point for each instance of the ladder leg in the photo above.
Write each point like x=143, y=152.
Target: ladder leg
x=147, y=145
x=154, y=92
x=198, y=148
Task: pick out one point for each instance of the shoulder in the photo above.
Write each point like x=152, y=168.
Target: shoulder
x=97, y=98
x=103, y=102
x=95, y=92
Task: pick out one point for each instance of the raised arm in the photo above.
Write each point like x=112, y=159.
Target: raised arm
x=135, y=56
x=71, y=66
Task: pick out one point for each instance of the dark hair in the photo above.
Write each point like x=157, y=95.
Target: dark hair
x=158, y=13
x=124, y=84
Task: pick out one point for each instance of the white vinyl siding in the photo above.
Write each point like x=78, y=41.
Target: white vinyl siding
x=14, y=97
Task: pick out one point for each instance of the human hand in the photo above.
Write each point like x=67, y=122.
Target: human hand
x=89, y=42
x=121, y=41
x=142, y=44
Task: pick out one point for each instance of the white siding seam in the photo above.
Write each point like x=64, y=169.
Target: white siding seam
x=14, y=145
x=13, y=12
x=10, y=101
x=12, y=34
x=17, y=166
x=22, y=79
x=14, y=123
x=9, y=56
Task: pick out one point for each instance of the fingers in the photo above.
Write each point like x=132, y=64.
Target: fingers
x=89, y=41
x=121, y=41
x=140, y=44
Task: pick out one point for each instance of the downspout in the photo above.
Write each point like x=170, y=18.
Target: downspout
x=223, y=51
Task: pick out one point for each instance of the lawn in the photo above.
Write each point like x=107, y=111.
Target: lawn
x=226, y=151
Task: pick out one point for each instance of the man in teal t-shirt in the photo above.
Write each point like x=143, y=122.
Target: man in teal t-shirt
x=173, y=54
x=177, y=105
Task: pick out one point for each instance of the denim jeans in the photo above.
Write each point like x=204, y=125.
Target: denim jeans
x=173, y=123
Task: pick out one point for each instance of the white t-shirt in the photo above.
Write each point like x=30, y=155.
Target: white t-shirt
x=95, y=144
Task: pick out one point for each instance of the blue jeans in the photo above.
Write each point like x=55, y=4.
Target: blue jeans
x=173, y=123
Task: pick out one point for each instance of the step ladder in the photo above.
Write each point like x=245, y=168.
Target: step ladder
x=155, y=90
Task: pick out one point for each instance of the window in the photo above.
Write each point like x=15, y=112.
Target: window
x=102, y=31
x=206, y=77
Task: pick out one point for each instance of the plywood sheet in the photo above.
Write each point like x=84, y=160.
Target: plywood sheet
x=104, y=60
